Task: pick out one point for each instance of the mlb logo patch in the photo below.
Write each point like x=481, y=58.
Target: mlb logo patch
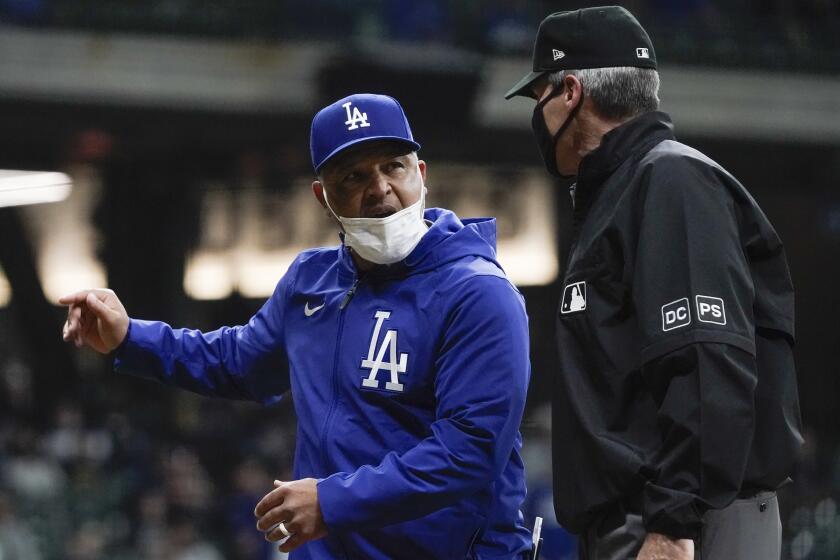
x=642, y=52
x=676, y=314
x=574, y=298
x=710, y=310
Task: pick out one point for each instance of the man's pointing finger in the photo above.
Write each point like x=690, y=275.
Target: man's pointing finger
x=95, y=304
x=70, y=299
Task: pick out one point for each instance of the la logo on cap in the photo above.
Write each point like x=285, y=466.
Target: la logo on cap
x=356, y=119
x=557, y=54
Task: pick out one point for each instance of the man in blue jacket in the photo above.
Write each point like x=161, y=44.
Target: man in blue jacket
x=406, y=350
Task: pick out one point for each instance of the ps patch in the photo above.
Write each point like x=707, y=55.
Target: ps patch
x=710, y=310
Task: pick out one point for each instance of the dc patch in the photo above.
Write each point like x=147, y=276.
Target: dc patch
x=574, y=298
x=710, y=310
x=676, y=314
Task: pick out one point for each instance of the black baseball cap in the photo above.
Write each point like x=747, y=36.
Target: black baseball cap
x=599, y=37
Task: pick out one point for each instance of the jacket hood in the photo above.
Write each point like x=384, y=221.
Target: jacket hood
x=449, y=238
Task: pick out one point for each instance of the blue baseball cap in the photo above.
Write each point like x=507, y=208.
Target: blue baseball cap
x=355, y=119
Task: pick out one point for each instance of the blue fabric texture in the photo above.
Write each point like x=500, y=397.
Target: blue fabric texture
x=409, y=385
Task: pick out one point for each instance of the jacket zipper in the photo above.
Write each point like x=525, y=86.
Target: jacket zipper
x=350, y=293
x=578, y=215
x=349, y=296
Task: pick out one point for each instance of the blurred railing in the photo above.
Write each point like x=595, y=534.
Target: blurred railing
x=741, y=33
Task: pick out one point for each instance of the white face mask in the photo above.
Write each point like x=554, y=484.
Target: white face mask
x=385, y=240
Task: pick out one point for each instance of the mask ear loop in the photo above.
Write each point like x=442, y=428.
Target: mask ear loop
x=568, y=120
x=572, y=114
x=327, y=202
x=422, y=199
x=423, y=194
x=556, y=138
x=554, y=93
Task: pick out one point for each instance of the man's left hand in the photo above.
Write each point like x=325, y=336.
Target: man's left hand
x=295, y=505
x=663, y=547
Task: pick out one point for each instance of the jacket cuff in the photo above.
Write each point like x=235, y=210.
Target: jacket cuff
x=336, y=513
x=121, y=353
x=118, y=350
x=671, y=512
x=130, y=357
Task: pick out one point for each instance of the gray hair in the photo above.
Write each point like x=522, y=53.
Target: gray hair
x=619, y=92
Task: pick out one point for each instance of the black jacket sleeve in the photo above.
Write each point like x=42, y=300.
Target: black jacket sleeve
x=694, y=295
x=704, y=394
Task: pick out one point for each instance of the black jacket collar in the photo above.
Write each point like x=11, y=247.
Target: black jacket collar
x=636, y=135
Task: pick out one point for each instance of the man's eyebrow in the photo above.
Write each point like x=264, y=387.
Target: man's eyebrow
x=341, y=167
x=397, y=157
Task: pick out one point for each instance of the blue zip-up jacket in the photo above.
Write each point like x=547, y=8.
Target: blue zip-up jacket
x=409, y=384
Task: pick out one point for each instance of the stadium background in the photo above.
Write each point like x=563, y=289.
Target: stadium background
x=184, y=126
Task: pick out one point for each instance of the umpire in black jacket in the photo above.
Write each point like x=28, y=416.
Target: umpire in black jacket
x=676, y=413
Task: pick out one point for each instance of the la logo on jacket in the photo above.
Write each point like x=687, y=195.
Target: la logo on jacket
x=396, y=363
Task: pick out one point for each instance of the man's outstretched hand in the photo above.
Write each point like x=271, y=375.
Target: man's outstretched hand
x=95, y=318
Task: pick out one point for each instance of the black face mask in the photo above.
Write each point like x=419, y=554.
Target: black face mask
x=545, y=140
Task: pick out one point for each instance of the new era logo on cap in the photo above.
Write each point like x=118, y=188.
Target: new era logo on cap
x=642, y=52
x=557, y=54
x=362, y=117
